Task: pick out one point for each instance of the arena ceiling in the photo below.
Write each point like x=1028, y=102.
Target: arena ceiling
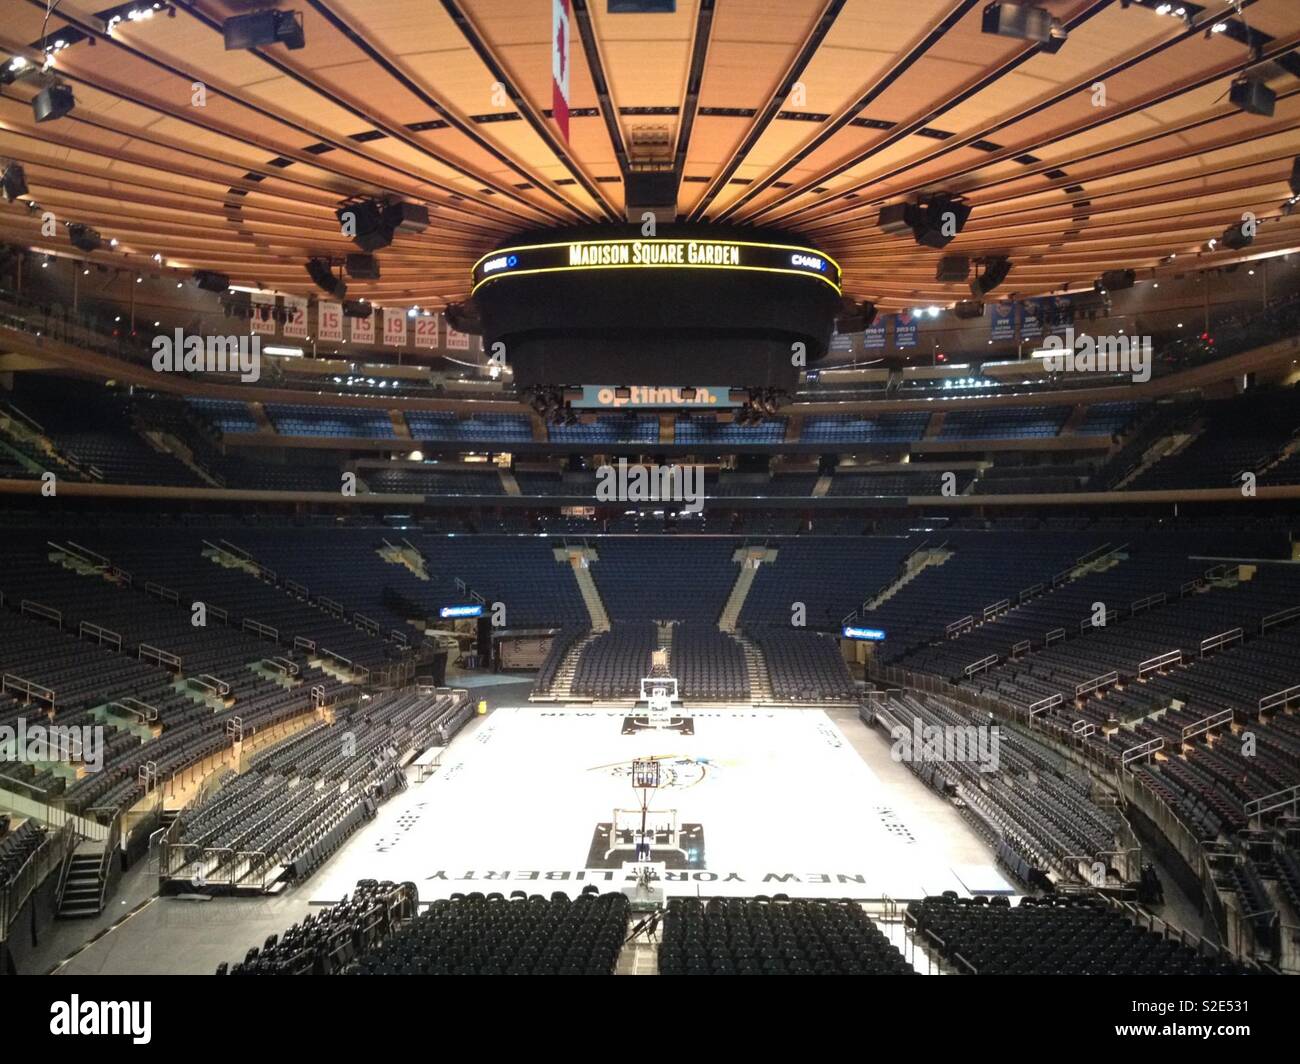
x=805, y=115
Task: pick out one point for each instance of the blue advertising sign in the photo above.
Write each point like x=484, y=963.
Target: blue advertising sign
x=869, y=635
x=461, y=611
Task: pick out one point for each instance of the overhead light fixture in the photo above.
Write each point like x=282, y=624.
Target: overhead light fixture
x=13, y=182
x=1026, y=23
x=1252, y=96
x=263, y=28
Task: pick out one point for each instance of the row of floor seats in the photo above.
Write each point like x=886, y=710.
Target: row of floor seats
x=761, y=936
x=1052, y=936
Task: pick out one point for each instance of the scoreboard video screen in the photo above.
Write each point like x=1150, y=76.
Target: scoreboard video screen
x=738, y=307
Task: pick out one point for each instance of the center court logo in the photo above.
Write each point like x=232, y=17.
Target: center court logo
x=179, y=353
x=652, y=483
x=120, y=1018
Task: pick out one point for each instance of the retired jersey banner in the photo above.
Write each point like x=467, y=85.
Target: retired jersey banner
x=295, y=317
x=1002, y=321
x=457, y=341
x=329, y=321
x=560, y=65
x=263, y=320
x=363, y=329
x=904, y=330
x=426, y=330
x=394, y=327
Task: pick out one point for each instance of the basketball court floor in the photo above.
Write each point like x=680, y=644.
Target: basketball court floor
x=751, y=801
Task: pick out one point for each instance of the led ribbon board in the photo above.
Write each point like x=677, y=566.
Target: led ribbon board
x=609, y=397
x=658, y=254
x=460, y=611
x=868, y=635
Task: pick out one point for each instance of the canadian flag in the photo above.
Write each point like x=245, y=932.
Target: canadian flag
x=560, y=65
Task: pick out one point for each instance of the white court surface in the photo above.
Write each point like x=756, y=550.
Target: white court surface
x=783, y=802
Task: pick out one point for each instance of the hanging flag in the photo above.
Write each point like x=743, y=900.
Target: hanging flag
x=394, y=327
x=263, y=320
x=363, y=329
x=560, y=65
x=329, y=321
x=295, y=320
x=426, y=330
x=457, y=341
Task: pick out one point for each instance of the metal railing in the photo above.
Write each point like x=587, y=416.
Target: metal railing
x=54, y=852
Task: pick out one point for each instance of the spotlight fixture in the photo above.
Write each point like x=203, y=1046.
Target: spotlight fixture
x=357, y=308
x=1252, y=96
x=1026, y=23
x=84, y=237
x=53, y=101
x=264, y=28
x=13, y=182
x=968, y=308
x=995, y=272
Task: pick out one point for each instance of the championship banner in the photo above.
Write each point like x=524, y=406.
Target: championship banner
x=1002, y=321
x=363, y=329
x=841, y=341
x=457, y=341
x=560, y=65
x=904, y=330
x=1031, y=319
x=295, y=317
x=394, y=327
x=329, y=321
x=263, y=320
x=874, y=338
x=426, y=330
